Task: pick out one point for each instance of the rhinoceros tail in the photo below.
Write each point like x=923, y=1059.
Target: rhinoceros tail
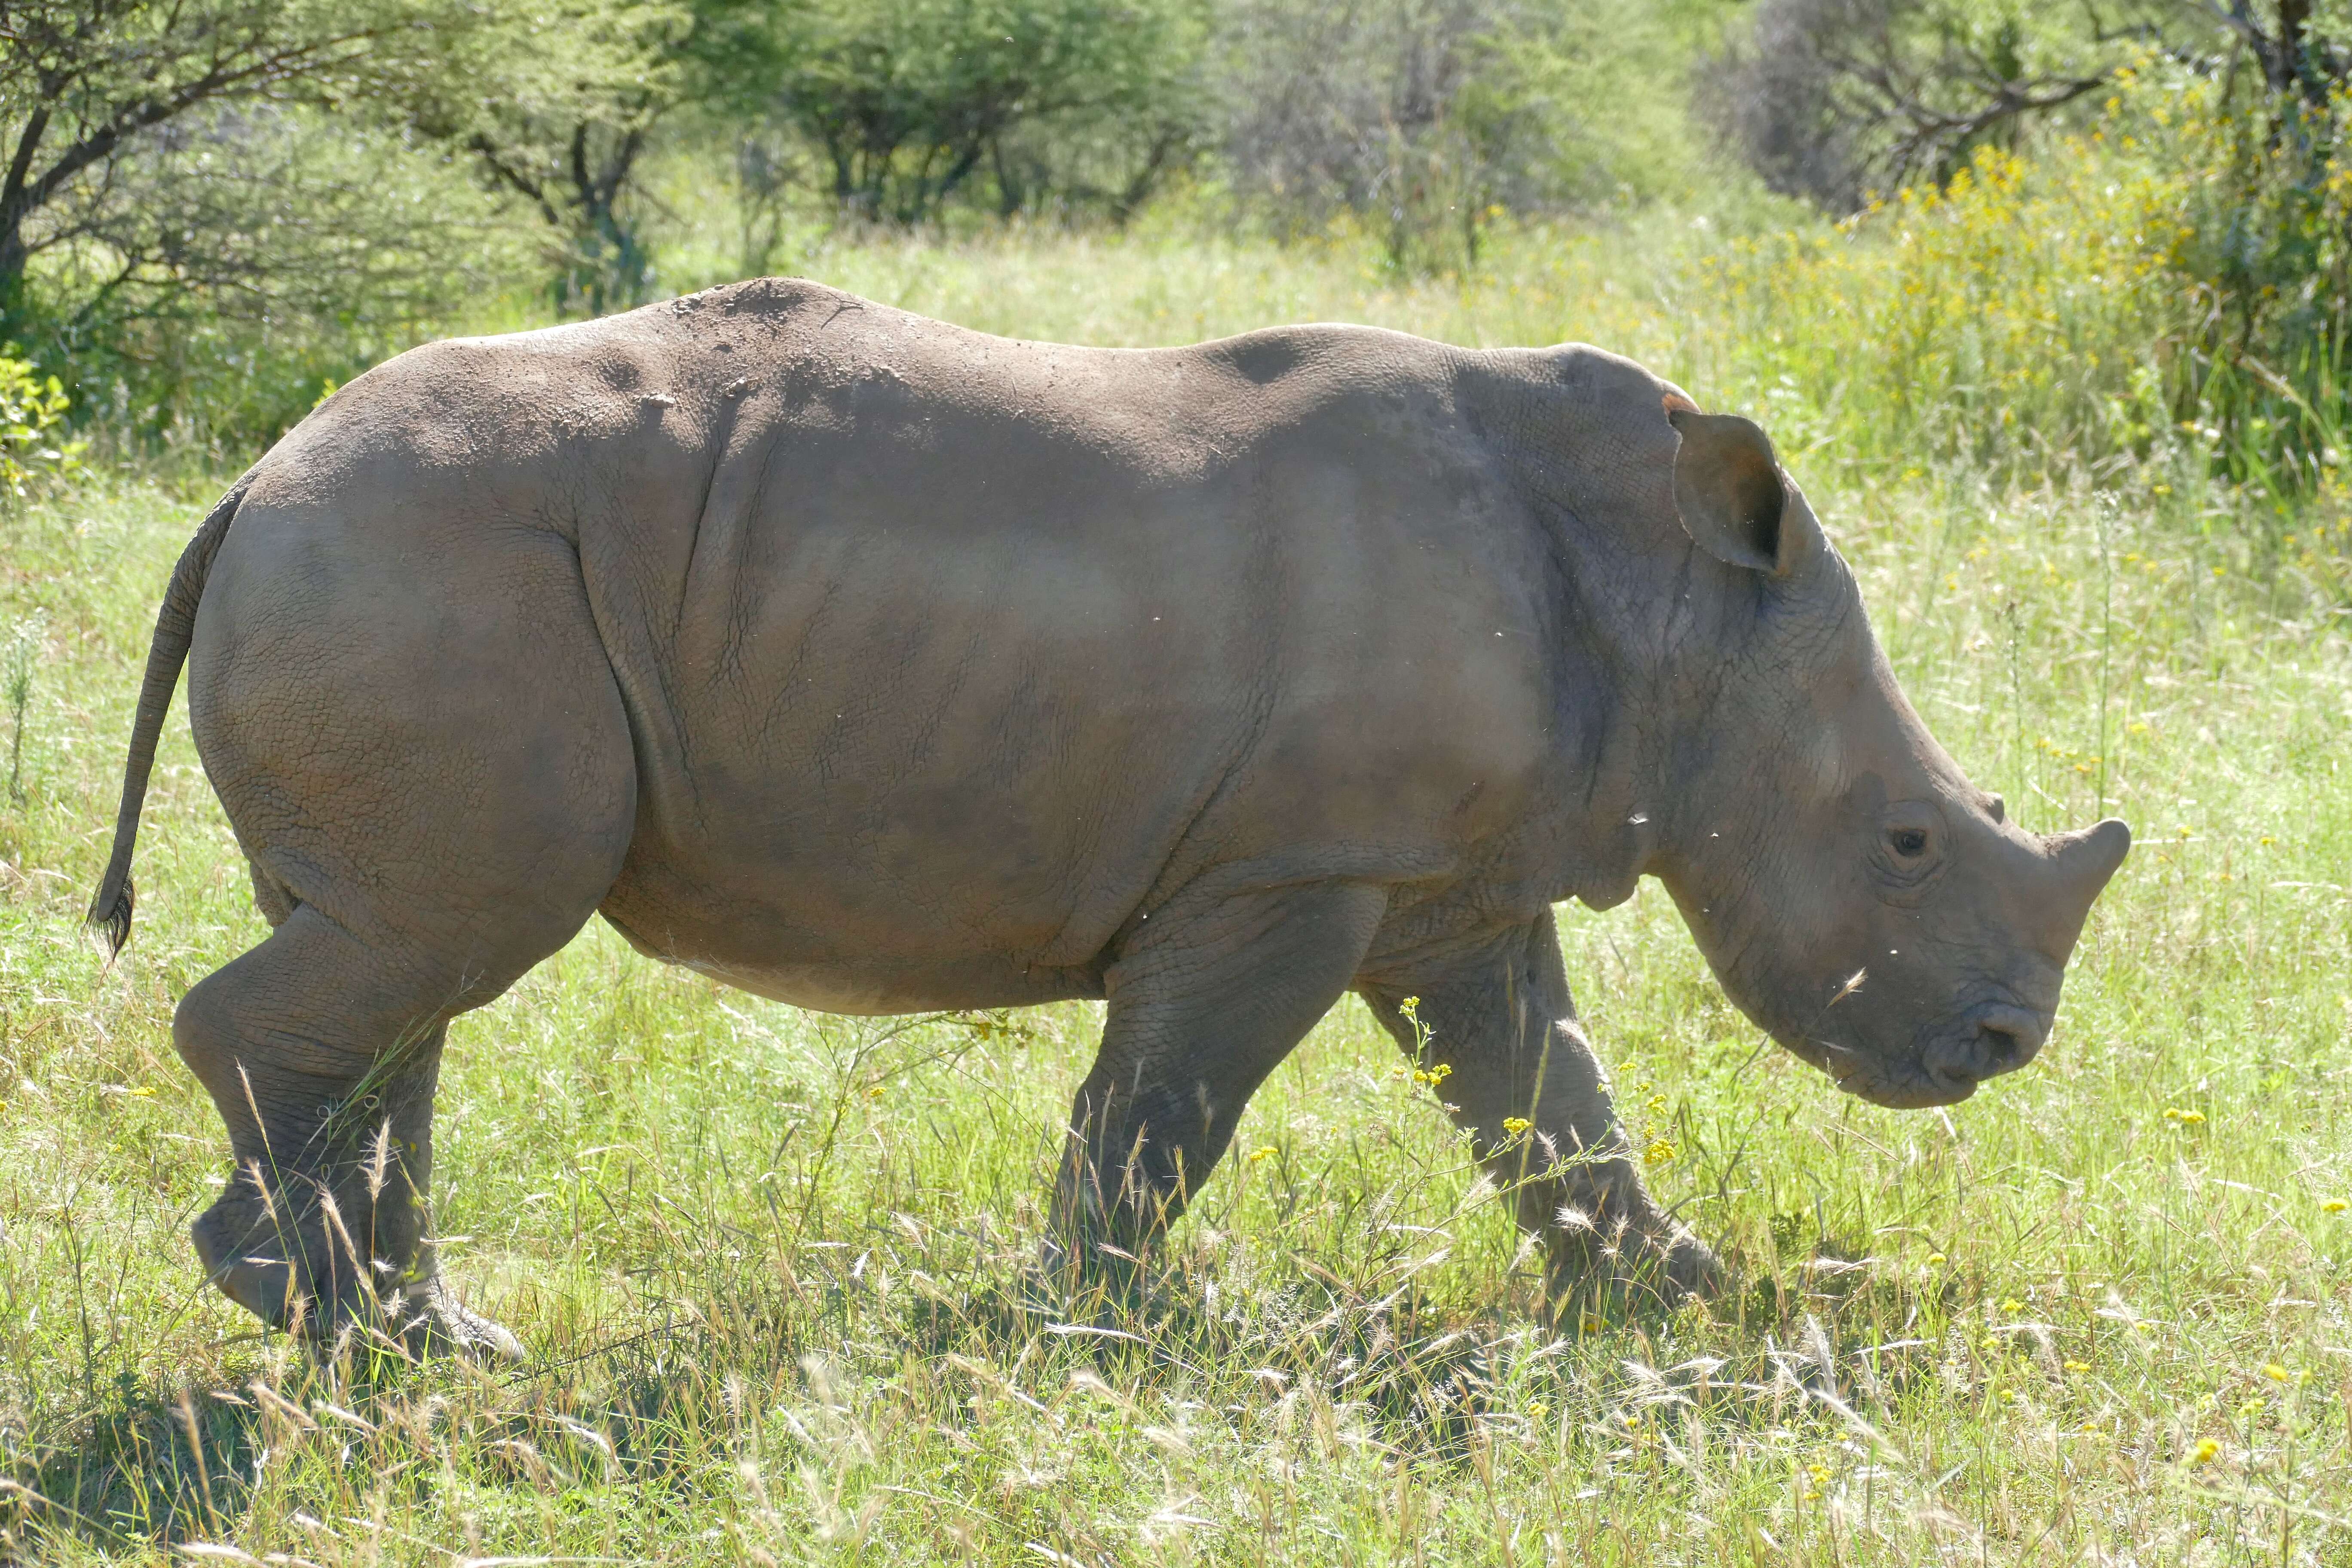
x=176, y=625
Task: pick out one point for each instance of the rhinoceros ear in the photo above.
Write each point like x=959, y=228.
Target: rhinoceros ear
x=1728, y=489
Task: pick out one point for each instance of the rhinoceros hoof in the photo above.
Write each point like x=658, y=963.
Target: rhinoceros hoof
x=1639, y=1271
x=1689, y=1270
x=246, y=1255
x=428, y=1320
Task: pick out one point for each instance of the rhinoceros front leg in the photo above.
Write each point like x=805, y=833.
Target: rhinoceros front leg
x=1526, y=1083
x=1205, y=1000
x=323, y=1056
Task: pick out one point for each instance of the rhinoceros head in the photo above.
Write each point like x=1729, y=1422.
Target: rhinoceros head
x=1857, y=896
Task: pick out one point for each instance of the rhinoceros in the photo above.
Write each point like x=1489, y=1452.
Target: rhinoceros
x=876, y=665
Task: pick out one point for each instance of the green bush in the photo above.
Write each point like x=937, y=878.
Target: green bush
x=2264, y=365
x=2167, y=286
x=32, y=446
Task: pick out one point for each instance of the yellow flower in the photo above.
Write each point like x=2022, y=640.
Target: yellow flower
x=2204, y=1452
x=1661, y=1151
x=2185, y=1117
x=1934, y=1259
x=1515, y=1125
x=2012, y=1305
x=2333, y=1205
x=1257, y=1154
x=2078, y=1366
x=2274, y=1372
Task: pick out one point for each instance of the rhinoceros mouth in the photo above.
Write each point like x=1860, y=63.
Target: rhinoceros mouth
x=1913, y=1092
x=1905, y=1086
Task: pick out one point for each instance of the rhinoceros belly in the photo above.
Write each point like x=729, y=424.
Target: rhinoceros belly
x=825, y=982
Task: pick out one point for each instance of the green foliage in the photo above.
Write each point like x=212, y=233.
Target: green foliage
x=91, y=88
x=32, y=446
x=287, y=248
x=558, y=106
x=209, y=206
x=1420, y=119
x=1835, y=101
x=1015, y=105
x=2179, y=268
x=2266, y=202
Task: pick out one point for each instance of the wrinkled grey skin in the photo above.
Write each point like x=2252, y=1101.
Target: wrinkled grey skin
x=876, y=665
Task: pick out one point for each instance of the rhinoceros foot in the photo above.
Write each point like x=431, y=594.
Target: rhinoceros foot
x=429, y=1321
x=264, y=1255
x=1634, y=1272
x=1687, y=1269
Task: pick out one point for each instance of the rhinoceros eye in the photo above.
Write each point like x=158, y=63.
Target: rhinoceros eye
x=1908, y=842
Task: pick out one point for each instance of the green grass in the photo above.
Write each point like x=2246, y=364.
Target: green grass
x=772, y=1264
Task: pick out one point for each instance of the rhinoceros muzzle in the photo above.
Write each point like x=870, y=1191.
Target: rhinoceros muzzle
x=1994, y=1038
x=1945, y=1064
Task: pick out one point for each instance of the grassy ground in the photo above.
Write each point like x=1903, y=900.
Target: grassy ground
x=770, y=1264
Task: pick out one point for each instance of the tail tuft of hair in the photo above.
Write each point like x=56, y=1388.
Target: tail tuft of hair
x=112, y=921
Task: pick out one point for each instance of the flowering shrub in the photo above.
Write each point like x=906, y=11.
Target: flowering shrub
x=2178, y=275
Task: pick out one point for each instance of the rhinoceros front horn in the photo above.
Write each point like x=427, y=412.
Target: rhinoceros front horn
x=2084, y=859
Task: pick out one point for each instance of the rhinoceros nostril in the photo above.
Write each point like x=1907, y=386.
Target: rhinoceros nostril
x=2007, y=1038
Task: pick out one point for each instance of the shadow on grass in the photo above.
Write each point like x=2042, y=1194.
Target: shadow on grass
x=145, y=1466
x=1431, y=1381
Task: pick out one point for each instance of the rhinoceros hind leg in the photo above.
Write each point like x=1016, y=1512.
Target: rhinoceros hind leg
x=1527, y=1085
x=421, y=745
x=322, y=1054
x=1205, y=1002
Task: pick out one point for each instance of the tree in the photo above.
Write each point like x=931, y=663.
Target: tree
x=1831, y=99
x=86, y=85
x=1424, y=116
x=1834, y=98
x=245, y=258
x=2301, y=54
x=563, y=118
x=914, y=103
